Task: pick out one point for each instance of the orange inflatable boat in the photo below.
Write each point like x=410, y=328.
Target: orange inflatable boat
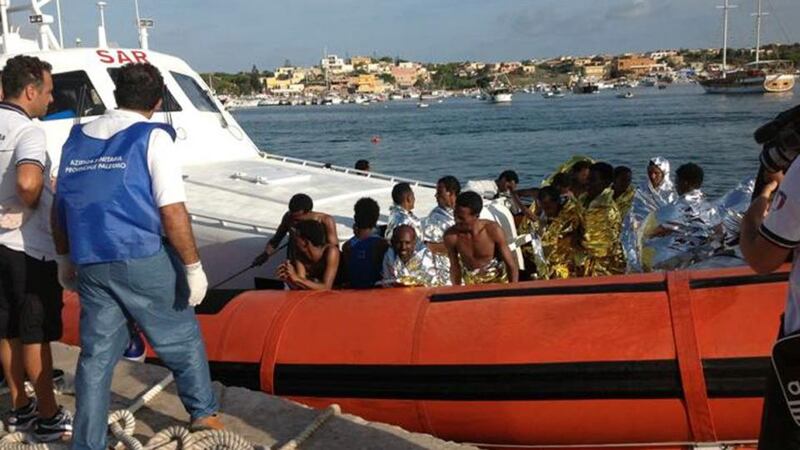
x=662, y=360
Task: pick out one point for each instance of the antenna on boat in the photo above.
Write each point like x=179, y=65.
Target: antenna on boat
x=726, y=7
x=758, y=15
x=101, y=29
x=4, y=4
x=142, y=25
x=48, y=40
x=60, y=24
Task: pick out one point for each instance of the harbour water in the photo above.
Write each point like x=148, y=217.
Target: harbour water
x=472, y=139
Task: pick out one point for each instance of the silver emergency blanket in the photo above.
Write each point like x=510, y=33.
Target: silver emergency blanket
x=420, y=270
x=732, y=206
x=433, y=228
x=681, y=233
x=436, y=224
x=539, y=260
x=646, y=199
x=399, y=216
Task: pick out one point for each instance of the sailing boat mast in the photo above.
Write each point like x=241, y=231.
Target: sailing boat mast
x=758, y=15
x=726, y=7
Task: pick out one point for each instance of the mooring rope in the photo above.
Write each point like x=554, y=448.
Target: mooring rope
x=122, y=425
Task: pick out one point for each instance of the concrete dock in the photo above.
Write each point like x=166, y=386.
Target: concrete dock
x=264, y=420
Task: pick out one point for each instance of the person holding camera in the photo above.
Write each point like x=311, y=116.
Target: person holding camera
x=770, y=231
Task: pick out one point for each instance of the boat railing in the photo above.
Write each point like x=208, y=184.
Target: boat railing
x=346, y=170
x=230, y=224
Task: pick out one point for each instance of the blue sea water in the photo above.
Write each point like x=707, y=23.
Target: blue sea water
x=472, y=139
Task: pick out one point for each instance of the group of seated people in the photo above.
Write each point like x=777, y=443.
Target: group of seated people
x=589, y=220
x=586, y=220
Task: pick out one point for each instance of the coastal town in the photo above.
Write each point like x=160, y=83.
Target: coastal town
x=364, y=79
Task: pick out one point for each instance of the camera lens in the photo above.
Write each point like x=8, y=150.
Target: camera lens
x=774, y=159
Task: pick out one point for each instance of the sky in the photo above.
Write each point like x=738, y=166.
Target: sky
x=234, y=35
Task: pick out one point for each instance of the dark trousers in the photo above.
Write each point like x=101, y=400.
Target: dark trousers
x=778, y=430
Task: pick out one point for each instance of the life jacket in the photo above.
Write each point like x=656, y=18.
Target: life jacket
x=104, y=198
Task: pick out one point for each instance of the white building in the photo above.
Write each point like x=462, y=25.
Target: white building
x=663, y=54
x=334, y=64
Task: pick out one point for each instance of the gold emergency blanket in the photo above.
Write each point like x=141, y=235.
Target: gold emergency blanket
x=493, y=272
x=560, y=243
x=566, y=167
x=420, y=270
x=399, y=216
x=602, y=224
x=625, y=201
x=433, y=228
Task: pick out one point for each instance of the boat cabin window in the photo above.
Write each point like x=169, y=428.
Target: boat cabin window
x=168, y=105
x=74, y=96
x=197, y=95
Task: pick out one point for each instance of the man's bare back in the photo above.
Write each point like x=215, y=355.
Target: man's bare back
x=324, y=219
x=288, y=221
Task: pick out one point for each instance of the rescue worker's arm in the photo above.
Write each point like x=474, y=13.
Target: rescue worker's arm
x=59, y=234
x=762, y=254
x=67, y=273
x=452, y=253
x=499, y=239
x=30, y=181
x=178, y=229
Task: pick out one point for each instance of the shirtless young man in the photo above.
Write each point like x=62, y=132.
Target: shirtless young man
x=315, y=262
x=477, y=248
x=300, y=208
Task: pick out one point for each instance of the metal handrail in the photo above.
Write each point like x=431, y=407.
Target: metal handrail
x=345, y=170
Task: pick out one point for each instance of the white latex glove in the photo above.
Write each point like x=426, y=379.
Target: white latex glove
x=67, y=273
x=12, y=216
x=198, y=283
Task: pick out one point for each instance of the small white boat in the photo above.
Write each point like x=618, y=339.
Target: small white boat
x=556, y=93
x=500, y=96
x=269, y=101
x=422, y=105
x=500, y=90
x=626, y=95
x=430, y=95
x=241, y=103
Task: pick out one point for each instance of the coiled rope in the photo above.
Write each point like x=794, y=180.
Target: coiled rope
x=122, y=425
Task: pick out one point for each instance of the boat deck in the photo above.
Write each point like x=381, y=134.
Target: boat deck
x=257, y=191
